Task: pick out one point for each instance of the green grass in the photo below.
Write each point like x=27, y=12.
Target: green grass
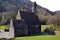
x=40, y=37
x=3, y=27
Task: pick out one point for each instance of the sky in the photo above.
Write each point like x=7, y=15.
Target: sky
x=52, y=5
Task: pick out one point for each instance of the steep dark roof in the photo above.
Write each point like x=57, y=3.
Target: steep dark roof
x=29, y=17
x=18, y=23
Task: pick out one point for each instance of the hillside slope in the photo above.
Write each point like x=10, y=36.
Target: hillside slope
x=10, y=7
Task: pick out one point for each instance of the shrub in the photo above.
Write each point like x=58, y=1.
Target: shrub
x=49, y=32
x=50, y=29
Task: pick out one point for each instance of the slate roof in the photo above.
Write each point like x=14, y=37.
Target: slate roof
x=29, y=17
x=18, y=23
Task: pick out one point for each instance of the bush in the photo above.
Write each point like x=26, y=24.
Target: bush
x=49, y=32
x=50, y=29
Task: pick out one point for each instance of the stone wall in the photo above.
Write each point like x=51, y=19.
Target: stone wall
x=33, y=29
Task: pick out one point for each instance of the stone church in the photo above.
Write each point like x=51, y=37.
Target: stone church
x=26, y=23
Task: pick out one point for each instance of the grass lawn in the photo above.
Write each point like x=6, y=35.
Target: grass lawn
x=2, y=27
x=40, y=37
